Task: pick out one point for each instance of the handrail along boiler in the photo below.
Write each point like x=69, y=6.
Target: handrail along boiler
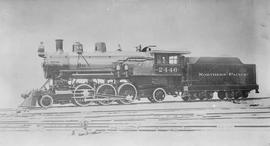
x=103, y=77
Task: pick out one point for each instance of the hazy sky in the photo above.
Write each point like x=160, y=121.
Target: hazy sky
x=207, y=28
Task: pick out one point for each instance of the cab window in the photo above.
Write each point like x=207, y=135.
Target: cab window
x=173, y=59
x=162, y=59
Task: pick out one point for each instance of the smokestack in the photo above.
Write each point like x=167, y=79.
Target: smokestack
x=59, y=45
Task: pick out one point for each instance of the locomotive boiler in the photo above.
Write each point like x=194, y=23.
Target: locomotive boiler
x=103, y=77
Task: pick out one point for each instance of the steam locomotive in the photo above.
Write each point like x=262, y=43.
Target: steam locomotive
x=103, y=77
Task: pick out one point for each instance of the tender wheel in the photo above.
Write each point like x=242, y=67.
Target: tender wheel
x=45, y=101
x=237, y=94
x=186, y=96
x=202, y=96
x=82, y=93
x=221, y=95
x=129, y=92
x=245, y=94
x=229, y=95
x=105, y=91
x=193, y=96
x=209, y=95
x=159, y=95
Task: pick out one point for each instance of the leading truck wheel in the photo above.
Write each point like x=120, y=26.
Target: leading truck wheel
x=128, y=92
x=105, y=91
x=82, y=93
x=45, y=101
x=159, y=95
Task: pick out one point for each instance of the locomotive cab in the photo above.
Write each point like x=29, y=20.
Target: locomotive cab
x=169, y=62
x=166, y=77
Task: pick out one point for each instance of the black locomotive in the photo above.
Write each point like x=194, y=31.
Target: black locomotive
x=103, y=77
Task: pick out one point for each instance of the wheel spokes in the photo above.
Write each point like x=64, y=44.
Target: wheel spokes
x=82, y=93
x=159, y=94
x=128, y=91
x=105, y=91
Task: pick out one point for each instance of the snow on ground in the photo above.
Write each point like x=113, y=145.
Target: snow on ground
x=205, y=138
x=223, y=114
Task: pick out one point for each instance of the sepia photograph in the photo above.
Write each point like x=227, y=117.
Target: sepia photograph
x=134, y=72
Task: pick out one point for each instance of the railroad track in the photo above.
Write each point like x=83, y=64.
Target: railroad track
x=164, y=102
x=172, y=116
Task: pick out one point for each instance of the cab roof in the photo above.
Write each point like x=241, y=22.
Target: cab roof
x=169, y=52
